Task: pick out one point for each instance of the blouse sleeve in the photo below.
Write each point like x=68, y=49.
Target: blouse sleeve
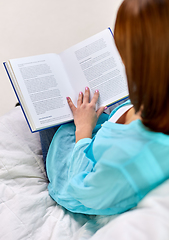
x=100, y=188
x=92, y=187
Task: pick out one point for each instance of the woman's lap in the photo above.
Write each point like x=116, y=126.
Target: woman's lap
x=46, y=137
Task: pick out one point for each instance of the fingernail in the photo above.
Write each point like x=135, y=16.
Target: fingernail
x=86, y=88
x=67, y=98
x=97, y=91
x=80, y=93
x=105, y=108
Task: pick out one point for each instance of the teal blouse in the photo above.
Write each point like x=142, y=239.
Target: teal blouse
x=111, y=172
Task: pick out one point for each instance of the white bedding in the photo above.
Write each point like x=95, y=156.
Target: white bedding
x=27, y=211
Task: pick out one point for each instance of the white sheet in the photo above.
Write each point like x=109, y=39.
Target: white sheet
x=27, y=211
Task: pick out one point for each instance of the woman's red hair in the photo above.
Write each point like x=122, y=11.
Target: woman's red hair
x=142, y=37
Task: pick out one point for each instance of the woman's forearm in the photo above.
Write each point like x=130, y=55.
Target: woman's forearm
x=85, y=132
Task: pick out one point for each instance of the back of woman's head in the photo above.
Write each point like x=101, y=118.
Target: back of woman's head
x=142, y=38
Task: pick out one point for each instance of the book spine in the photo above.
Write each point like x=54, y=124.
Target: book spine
x=111, y=31
x=4, y=63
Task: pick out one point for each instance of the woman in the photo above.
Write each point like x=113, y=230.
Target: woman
x=108, y=169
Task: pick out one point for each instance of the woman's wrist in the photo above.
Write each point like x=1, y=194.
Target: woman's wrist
x=84, y=132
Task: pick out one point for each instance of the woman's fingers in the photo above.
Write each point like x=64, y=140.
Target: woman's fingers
x=71, y=105
x=86, y=97
x=80, y=99
x=100, y=111
x=95, y=97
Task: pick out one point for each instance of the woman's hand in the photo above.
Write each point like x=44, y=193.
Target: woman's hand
x=85, y=115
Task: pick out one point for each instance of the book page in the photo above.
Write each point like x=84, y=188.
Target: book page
x=96, y=63
x=43, y=87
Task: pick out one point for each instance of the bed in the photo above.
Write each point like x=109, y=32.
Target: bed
x=28, y=212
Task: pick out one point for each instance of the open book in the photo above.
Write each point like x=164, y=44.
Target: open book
x=43, y=82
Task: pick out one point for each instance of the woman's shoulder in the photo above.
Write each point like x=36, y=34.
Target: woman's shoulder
x=115, y=109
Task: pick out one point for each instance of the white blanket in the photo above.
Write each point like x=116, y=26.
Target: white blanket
x=28, y=212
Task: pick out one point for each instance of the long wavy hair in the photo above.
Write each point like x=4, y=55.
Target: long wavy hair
x=142, y=37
